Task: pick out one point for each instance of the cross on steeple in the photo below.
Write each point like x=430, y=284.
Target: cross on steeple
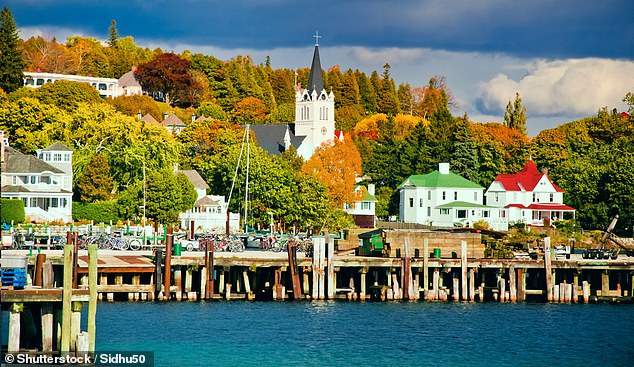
x=317, y=37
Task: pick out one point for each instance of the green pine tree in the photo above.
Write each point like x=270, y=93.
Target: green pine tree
x=515, y=115
x=12, y=62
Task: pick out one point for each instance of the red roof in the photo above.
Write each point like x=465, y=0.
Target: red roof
x=543, y=206
x=528, y=178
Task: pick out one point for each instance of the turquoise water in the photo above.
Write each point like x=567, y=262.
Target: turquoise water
x=370, y=334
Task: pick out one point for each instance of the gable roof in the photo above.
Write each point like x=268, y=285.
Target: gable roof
x=22, y=163
x=270, y=137
x=172, y=120
x=195, y=178
x=57, y=147
x=437, y=179
x=148, y=118
x=207, y=200
x=525, y=180
x=128, y=80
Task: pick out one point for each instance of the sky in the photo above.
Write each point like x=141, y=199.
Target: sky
x=566, y=58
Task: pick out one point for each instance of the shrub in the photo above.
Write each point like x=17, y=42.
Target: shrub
x=99, y=212
x=12, y=210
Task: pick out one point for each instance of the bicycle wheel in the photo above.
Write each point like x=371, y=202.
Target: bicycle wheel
x=123, y=244
x=135, y=245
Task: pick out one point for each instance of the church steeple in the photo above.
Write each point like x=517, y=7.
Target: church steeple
x=315, y=79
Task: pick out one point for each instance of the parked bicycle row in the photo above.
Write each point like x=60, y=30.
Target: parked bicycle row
x=221, y=242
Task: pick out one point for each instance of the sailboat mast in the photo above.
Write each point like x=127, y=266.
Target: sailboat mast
x=246, y=189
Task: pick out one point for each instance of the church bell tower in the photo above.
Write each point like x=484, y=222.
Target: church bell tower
x=314, y=110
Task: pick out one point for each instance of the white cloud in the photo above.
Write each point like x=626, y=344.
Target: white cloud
x=570, y=87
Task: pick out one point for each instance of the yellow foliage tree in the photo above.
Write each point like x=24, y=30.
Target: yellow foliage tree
x=336, y=166
x=404, y=124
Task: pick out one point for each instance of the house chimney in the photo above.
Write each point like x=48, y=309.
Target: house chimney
x=443, y=168
x=371, y=189
x=545, y=171
x=165, y=116
x=175, y=167
x=193, y=117
x=139, y=115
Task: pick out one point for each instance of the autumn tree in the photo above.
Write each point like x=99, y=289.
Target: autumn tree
x=337, y=166
x=249, y=111
x=135, y=104
x=515, y=115
x=11, y=59
x=95, y=184
x=167, y=74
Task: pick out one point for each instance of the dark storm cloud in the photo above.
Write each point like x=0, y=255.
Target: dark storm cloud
x=536, y=28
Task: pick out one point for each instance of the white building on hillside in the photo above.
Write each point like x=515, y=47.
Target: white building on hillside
x=445, y=199
x=209, y=213
x=107, y=87
x=44, y=184
x=529, y=196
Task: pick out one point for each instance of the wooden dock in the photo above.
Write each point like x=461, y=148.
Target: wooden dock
x=261, y=275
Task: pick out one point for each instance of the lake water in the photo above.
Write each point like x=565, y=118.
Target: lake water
x=370, y=334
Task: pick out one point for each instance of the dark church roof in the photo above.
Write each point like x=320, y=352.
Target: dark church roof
x=315, y=81
x=271, y=137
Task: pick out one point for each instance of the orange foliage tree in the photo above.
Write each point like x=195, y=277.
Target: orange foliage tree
x=250, y=110
x=336, y=166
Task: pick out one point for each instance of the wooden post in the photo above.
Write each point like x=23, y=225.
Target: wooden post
x=362, y=291
x=83, y=343
x=463, y=269
x=471, y=285
x=548, y=269
x=14, y=327
x=75, y=244
x=330, y=244
x=292, y=266
x=48, y=277
x=167, y=278
x=555, y=293
x=512, y=284
x=67, y=295
x=203, y=282
x=39, y=262
x=585, y=290
x=92, y=301
x=562, y=292
x=209, y=264
x=47, y=327
x=75, y=324
x=502, y=293
x=435, y=283
x=575, y=287
x=398, y=292
x=426, y=267
x=322, y=261
x=221, y=281
x=316, y=251
x=306, y=281
x=455, y=293
x=521, y=285
x=605, y=283
x=279, y=293
x=247, y=284
x=178, y=282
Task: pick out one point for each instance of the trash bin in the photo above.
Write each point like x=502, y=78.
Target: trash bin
x=437, y=253
x=177, y=249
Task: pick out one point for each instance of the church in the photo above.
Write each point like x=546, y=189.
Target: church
x=314, y=118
